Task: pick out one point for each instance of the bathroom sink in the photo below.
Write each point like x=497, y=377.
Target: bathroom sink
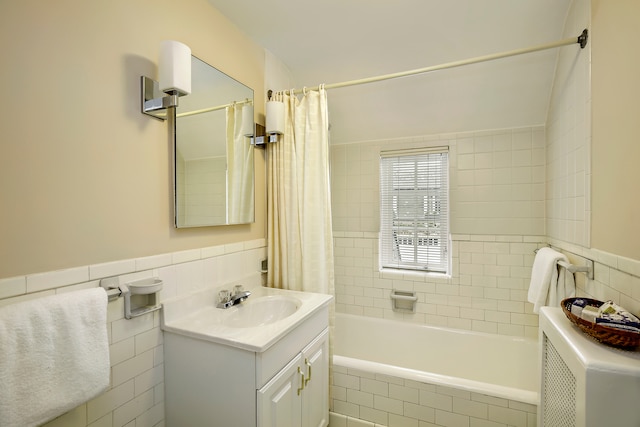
x=256, y=324
x=261, y=311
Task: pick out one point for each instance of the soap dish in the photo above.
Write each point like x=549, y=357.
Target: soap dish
x=145, y=286
x=142, y=298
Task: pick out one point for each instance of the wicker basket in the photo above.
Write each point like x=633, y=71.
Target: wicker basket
x=605, y=334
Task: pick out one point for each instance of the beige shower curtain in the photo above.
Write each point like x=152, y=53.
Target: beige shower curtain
x=300, y=238
x=299, y=231
x=240, y=207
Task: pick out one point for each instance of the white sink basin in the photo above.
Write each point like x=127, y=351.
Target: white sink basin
x=261, y=311
x=255, y=325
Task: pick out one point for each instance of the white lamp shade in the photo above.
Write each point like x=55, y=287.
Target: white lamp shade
x=175, y=67
x=247, y=120
x=275, y=117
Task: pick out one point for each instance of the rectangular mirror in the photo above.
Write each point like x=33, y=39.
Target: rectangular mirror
x=214, y=176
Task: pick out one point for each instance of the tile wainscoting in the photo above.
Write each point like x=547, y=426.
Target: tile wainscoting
x=487, y=290
x=136, y=394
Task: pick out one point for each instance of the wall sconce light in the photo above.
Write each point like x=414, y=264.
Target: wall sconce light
x=275, y=120
x=174, y=71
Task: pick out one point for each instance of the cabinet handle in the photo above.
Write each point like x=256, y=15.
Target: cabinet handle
x=306, y=362
x=302, y=383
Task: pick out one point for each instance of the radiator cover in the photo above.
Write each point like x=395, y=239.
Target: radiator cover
x=584, y=383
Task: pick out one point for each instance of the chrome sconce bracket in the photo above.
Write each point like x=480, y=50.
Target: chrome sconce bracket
x=258, y=140
x=261, y=139
x=154, y=102
x=274, y=137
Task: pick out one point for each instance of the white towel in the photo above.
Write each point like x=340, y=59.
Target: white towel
x=565, y=287
x=547, y=287
x=54, y=356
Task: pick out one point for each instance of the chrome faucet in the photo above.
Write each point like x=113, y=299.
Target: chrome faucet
x=228, y=299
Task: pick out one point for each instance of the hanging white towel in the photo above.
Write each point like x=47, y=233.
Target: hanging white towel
x=54, y=356
x=547, y=286
x=565, y=288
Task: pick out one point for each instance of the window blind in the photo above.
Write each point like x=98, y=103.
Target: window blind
x=414, y=211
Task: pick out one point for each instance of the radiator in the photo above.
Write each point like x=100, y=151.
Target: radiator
x=584, y=383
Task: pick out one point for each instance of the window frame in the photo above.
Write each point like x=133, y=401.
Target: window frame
x=425, y=243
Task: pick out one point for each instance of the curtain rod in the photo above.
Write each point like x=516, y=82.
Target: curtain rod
x=209, y=109
x=581, y=40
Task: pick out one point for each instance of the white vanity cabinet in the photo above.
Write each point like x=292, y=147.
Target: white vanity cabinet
x=298, y=395
x=209, y=383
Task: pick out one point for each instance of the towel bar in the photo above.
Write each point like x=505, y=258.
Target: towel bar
x=587, y=269
x=114, y=294
x=113, y=288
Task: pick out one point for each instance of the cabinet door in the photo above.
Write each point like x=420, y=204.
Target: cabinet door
x=315, y=396
x=279, y=400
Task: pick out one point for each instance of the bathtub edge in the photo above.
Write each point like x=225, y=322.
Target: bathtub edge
x=503, y=392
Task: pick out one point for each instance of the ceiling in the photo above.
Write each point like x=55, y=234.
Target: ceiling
x=339, y=40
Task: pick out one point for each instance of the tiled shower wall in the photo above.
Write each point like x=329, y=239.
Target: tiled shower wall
x=568, y=159
x=497, y=195
x=136, y=394
x=497, y=181
x=487, y=291
x=497, y=191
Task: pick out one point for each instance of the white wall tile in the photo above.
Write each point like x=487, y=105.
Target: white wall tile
x=55, y=279
x=122, y=350
x=136, y=395
x=13, y=286
x=110, y=400
x=131, y=368
x=186, y=256
x=126, y=328
x=132, y=409
x=109, y=269
x=149, y=379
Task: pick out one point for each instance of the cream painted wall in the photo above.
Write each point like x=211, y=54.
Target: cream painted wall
x=84, y=177
x=616, y=127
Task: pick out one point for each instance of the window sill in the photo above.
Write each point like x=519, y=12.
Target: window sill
x=394, y=273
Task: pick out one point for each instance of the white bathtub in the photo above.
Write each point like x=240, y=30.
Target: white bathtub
x=493, y=365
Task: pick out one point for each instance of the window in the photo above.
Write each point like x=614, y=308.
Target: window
x=414, y=214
